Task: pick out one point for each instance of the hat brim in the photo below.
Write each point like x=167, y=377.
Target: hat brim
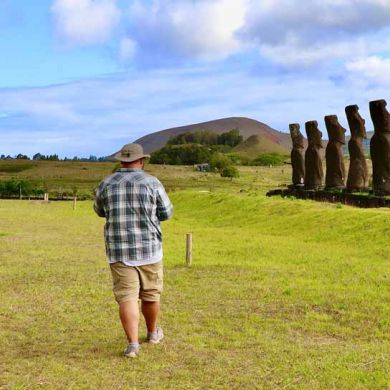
x=118, y=157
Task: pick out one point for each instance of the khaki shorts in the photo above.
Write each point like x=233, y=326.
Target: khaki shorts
x=130, y=283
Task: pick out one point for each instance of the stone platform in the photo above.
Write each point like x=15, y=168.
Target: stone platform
x=364, y=200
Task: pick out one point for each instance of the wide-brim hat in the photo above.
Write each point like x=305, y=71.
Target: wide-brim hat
x=130, y=153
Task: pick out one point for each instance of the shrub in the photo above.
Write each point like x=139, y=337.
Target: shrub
x=219, y=161
x=11, y=188
x=269, y=159
x=238, y=159
x=230, y=171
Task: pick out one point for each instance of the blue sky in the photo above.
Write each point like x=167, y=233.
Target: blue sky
x=82, y=77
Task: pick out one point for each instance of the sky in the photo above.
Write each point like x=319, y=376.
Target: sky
x=84, y=77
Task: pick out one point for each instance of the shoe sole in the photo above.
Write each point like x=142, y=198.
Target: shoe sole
x=131, y=355
x=156, y=341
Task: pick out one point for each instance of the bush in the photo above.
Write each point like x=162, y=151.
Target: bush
x=219, y=161
x=230, y=171
x=238, y=159
x=269, y=159
x=13, y=188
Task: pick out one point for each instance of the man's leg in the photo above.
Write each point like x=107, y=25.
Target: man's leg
x=126, y=286
x=129, y=315
x=151, y=277
x=150, y=311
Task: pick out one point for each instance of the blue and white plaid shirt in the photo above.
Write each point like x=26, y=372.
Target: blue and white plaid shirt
x=133, y=204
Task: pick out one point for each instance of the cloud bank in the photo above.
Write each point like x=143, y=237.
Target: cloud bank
x=349, y=37
x=288, y=32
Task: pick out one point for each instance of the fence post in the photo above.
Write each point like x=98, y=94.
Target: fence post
x=189, y=250
x=46, y=197
x=74, y=202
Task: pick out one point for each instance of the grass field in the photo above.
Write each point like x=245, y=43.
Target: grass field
x=283, y=294
x=66, y=176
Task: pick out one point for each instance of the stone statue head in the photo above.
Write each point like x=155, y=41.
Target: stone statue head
x=314, y=135
x=335, y=131
x=356, y=122
x=380, y=116
x=296, y=136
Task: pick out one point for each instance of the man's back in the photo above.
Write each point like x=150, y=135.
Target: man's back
x=133, y=204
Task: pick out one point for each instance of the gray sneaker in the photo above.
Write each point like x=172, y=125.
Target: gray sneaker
x=155, y=337
x=131, y=351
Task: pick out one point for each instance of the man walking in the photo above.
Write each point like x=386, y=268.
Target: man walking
x=133, y=204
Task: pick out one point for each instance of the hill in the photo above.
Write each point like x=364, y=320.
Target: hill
x=255, y=145
x=271, y=139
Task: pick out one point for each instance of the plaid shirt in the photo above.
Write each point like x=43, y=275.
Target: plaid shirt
x=133, y=204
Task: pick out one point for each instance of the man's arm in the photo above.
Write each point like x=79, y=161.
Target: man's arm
x=98, y=204
x=164, y=205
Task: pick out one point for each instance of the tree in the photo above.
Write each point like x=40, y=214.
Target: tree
x=231, y=138
x=187, y=154
x=21, y=156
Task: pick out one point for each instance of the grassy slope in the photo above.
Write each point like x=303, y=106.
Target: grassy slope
x=255, y=145
x=65, y=176
x=59, y=176
x=282, y=294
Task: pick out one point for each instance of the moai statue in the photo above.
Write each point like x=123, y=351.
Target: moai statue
x=335, y=169
x=380, y=147
x=358, y=171
x=297, y=156
x=314, y=173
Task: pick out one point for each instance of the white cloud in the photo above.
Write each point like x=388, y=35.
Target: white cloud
x=187, y=29
x=85, y=22
x=371, y=69
x=292, y=32
x=292, y=53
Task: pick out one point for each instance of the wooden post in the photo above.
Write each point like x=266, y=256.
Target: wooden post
x=189, y=250
x=74, y=202
x=46, y=197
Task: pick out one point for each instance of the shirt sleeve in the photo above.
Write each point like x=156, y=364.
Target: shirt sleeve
x=164, y=205
x=98, y=205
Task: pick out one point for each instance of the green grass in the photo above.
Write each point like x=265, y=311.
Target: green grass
x=14, y=166
x=66, y=176
x=282, y=294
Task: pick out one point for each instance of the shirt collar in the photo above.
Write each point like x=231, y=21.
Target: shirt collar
x=129, y=170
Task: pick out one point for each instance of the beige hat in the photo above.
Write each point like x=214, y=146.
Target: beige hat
x=130, y=153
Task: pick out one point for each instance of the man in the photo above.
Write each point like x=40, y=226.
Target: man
x=133, y=204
